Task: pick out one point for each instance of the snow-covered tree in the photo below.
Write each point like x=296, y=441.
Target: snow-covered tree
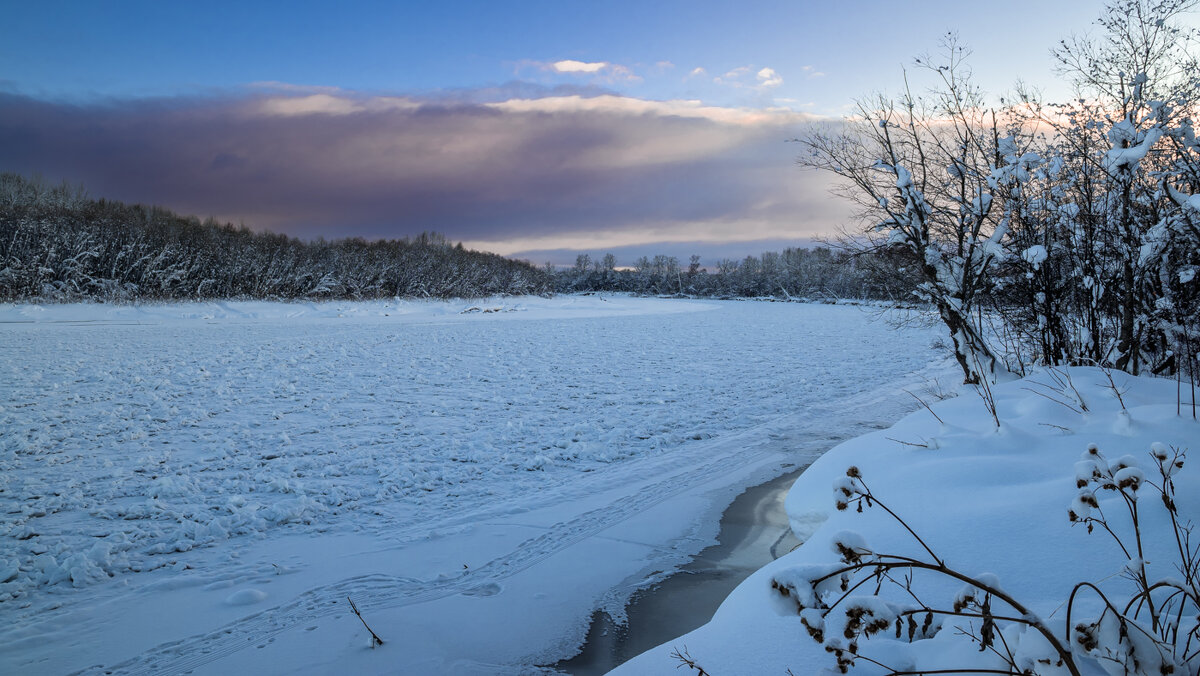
x=56, y=244
x=925, y=171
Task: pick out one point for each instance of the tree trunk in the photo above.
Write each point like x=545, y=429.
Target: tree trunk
x=971, y=352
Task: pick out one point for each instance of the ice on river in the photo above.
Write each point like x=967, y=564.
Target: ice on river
x=201, y=486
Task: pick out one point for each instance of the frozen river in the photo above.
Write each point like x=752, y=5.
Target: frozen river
x=201, y=487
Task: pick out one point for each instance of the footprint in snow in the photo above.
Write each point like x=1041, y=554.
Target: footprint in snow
x=245, y=597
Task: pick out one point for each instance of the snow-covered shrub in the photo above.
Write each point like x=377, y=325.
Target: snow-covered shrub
x=1154, y=631
x=1076, y=223
x=922, y=169
x=1157, y=629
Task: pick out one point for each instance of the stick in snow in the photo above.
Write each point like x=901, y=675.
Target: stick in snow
x=375, y=640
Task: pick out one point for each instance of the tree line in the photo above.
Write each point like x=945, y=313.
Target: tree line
x=59, y=244
x=56, y=243
x=819, y=273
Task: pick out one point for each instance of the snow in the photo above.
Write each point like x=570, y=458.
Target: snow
x=1035, y=255
x=200, y=487
x=991, y=503
x=245, y=597
x=1129, y=145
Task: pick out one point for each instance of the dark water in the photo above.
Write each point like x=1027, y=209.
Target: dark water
x=753, y=532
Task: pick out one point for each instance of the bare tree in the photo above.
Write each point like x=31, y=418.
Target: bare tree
x=924, y=171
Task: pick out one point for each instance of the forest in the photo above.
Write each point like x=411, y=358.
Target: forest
x=57, y=244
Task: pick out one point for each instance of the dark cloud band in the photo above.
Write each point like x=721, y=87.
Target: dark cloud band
x=334, y=165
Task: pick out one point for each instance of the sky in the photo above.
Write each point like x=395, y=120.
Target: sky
x=532, y=129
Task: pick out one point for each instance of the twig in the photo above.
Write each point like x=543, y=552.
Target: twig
x=907, y=443
x=1057, y=427
x=985, y=392
x=1057, y=401
x=922, y=402
x=375, y=640
x=1064, y=381
x=1115, y=390
x=686, y=660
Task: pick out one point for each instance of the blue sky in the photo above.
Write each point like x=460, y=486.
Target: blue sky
x=84, y=50
x=518, y=127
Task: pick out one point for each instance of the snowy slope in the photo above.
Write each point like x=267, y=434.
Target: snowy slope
x=985, y=500
x=200, y=487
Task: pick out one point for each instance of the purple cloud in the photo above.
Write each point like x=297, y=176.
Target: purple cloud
x=523, y=172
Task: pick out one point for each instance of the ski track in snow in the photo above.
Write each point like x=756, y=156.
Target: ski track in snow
x=163, y=442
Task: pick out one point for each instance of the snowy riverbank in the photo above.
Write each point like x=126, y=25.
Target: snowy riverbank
x=754, y=531
x=200, y=487
x=987, y=501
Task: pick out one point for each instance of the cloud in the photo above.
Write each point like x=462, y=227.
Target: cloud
x=516, y=89
x=533, y=170
x=697, y=72
x=767, y=77
x=733, y=77
x=327, y=104
x=615, y=104
x=645, y=236
x=764, y=78
x=602, y=71
x=795, y=104
x=275, y=85
x=572, y=66
x=810, y=72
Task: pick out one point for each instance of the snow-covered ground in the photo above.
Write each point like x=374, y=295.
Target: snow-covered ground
x=199, y=488
x=989, y=502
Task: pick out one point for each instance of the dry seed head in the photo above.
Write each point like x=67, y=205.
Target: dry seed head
x=1130, y=477
x=848, y=554
x=964, y=601
x=1085, y=636
x=1159, y=451
x=877, y=626
x=816, y=633
x=853, y=473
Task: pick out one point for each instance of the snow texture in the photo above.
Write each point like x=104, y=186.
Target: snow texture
x=198, y=488
x=992, y=503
